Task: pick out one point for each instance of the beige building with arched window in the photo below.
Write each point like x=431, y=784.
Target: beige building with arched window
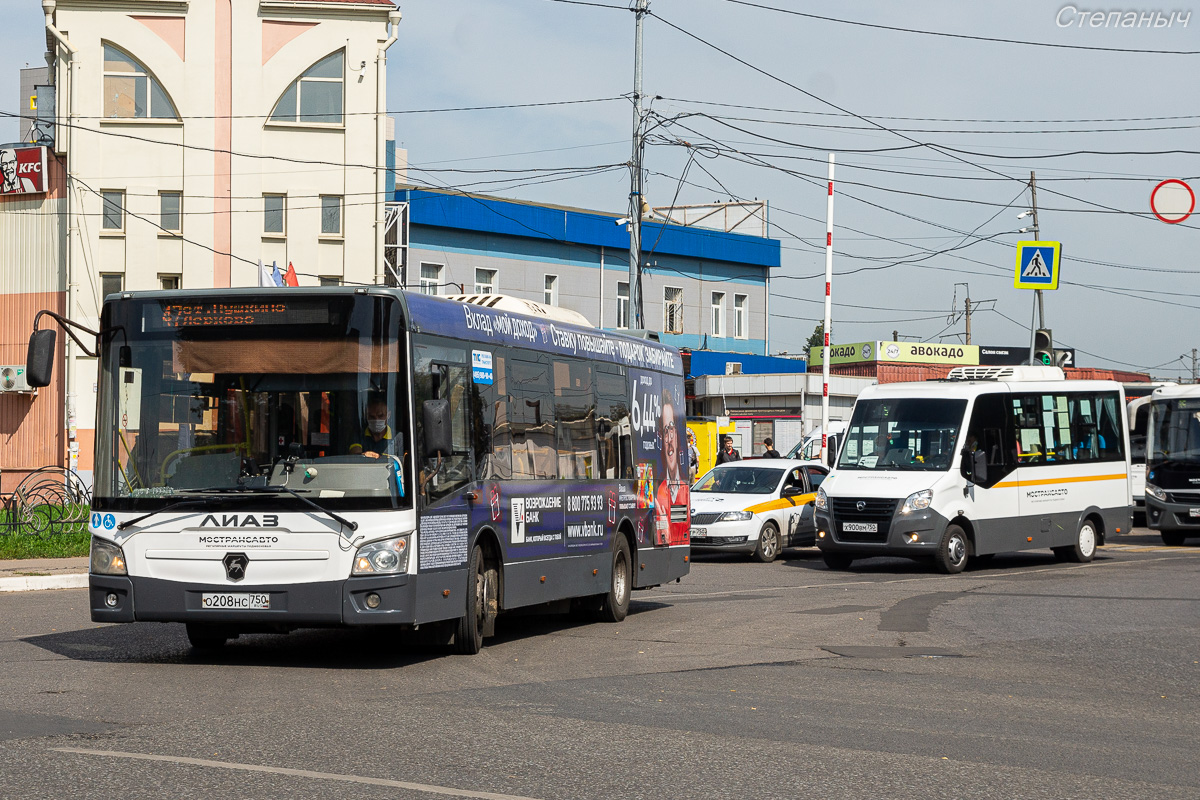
x=200, y=138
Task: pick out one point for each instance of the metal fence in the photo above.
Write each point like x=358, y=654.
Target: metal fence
x=49, y=501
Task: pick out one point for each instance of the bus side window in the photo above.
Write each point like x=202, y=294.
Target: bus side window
x=613, y=426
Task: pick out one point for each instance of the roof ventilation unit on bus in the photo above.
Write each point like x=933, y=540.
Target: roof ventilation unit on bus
x=1021, y=373
x=518, y=305
x=12, y=379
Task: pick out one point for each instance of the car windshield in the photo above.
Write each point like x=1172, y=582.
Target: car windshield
x=739, y=480
x=909, y=433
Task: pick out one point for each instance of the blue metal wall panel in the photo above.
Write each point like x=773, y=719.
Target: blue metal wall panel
x=487, y=215
x=712, y=362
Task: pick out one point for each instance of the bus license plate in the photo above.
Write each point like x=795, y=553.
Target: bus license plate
x=860, y=527
x=701, y=532
x=236, y=601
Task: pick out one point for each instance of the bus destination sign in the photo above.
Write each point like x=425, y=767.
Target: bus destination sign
x=204, y=314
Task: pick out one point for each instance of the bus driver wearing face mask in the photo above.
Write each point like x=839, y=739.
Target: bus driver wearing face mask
x=377, y=437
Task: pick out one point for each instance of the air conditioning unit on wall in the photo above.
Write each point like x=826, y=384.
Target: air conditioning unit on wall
x=12, y=379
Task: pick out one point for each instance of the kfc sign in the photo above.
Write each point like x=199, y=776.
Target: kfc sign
x=22, y=170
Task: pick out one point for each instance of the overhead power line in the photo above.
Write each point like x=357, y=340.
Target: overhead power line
x=931, y=119
x=997, y=40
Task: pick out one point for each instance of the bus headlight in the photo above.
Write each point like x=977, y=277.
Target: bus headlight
x=735, y=516
x=386, y=557
x=917, y=501
x=822, y=501
x=1155, y=492
x=107, y=558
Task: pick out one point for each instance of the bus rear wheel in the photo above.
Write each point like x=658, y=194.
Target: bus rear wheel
x=616, y=602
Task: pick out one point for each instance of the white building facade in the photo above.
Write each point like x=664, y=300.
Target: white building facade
x=202, y=137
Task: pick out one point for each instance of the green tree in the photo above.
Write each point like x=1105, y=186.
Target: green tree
x=817, y=340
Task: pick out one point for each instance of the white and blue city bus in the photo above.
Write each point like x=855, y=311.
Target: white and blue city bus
x=369, y=456
x=1173, y=463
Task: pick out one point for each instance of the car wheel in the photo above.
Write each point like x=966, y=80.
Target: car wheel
x=837, y=561
x=951, y=555
x=1172, y=538
x=616, y=602
x=768, y=543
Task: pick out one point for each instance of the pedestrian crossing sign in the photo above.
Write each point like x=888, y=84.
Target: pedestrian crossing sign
x=1037, y=265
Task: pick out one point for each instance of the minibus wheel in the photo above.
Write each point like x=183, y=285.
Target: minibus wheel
x=1084, y=548
x=951, y=555
x=1172, y=538
x=837, y=561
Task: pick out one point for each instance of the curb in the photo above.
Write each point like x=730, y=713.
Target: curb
x=35, y=583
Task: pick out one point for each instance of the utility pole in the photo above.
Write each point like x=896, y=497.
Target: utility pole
x=1037, y=237
x=1193, y=365
x=637, y=321
x=968, y=303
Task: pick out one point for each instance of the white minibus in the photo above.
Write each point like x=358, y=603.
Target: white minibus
x=1173, y=463
x=991, y=460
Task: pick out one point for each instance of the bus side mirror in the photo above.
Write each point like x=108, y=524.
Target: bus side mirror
x=39, y=361
x=435, y=414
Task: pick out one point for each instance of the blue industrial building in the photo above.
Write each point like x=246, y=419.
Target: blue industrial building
x=703, y=289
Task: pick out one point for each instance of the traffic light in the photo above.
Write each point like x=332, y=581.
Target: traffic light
x=1043, y=347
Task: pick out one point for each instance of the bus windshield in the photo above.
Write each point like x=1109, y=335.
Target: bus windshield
x=305, y=391
x=1174, y=435
x=910, y=433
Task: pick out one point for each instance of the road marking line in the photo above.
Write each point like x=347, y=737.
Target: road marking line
x=298, y=773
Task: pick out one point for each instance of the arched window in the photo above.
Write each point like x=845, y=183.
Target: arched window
x=316, y=96
x=130, y=91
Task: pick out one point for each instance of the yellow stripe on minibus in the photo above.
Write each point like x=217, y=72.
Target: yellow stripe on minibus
x=1048, y=481
x=782, y=502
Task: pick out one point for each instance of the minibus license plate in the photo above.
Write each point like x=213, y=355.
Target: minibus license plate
x=860, y=527
x=1194, y=512
x=703, y=532
x=235, y=600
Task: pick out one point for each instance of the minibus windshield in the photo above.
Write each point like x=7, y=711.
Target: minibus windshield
x=909, y=433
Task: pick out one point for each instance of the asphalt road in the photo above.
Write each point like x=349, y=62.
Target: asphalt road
x=1024, y=679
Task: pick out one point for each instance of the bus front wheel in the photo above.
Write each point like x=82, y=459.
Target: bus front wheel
x=481, y=592
x=616, y=602
x=1172, y=538
x=206, y=637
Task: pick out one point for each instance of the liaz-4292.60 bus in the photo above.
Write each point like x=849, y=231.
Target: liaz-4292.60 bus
x=992, y=460
x=368, y=456
x=1173, y=463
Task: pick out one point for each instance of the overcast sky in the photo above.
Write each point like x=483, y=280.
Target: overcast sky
x=1004, y=104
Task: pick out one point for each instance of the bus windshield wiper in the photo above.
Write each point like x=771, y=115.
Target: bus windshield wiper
x=191, y=501
x=277, y=489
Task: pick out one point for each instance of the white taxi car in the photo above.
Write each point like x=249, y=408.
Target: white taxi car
x=757, y=507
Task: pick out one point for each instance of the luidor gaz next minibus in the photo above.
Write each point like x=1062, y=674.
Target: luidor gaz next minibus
x=990, y=460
